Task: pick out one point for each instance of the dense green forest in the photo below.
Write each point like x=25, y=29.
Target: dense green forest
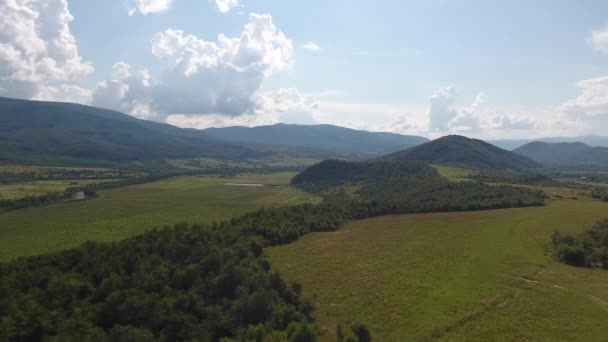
x=588, y=249
x=514, y=177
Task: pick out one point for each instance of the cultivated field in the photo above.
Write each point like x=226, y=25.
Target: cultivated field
x=36, y=188
x=458, y=276
x=124, y=212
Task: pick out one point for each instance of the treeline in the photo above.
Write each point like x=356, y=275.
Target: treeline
x=46, y=199
x=514, y=177
x=62, y=174
x=587, y=249
x=600, y=193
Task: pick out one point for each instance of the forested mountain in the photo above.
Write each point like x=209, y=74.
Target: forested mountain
x=591, y=140
x=574, y=154
x=52, y=132
x=396, y=187
x=461, y=151
x=322, y=137
x=66, y=133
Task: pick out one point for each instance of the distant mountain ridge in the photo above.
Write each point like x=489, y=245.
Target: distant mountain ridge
x=54, y=132
x=591, y=140
x=65, y=133
x=462, y=151
x=576, y=154
x=321, y=137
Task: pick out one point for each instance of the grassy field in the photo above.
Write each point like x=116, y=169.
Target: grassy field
x=124, y=212
x=453, y=173
x=41, y=169
x=453, y=276
x=36, y=188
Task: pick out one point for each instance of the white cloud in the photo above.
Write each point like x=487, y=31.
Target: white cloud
x=289, y=106
x=126, y=92
x=441, y=110
x=312, y=46
x=225, y=6
x=593, y=100
x=202, y=77
x=476, y=118
x=286, y=105
x=37, y=48
x=64, y=93
x=599, y=40
x=145, y=7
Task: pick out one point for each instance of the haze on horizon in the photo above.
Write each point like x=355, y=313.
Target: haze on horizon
x=483, y=69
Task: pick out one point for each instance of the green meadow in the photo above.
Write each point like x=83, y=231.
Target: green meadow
x=36, y=188
x=453, y=276
x=123, y=212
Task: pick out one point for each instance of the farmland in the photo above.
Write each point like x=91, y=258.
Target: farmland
x=127, y=211
x=476, y=276
x=37, y=188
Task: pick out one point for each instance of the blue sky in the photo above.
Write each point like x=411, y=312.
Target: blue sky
x=491, y=69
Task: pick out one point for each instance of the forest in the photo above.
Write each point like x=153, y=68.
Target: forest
x=408, y=187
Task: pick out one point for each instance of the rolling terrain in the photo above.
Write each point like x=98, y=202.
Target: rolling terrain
x=458, y=276
x=464, y=152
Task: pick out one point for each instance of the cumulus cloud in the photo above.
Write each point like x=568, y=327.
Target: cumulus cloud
x=289, y=106
x=592, y=101
x=599, y=40
x=37, y=48
x=225, y=6
x=127, y=92
x=145, y=7
x=312, y=46
x=203, y=77
x=441, y=110
x=286, y=105
x=446, y=117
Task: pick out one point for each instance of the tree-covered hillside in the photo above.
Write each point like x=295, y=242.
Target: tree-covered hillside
x=461, y=151
x=64, y=133
x=320, y=137
x=383, y=187
x=569, y=155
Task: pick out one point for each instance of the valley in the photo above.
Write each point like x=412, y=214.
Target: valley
x=127, y=211
x=324, y=233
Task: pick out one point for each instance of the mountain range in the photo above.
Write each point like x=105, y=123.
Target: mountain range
x=564, y=154
x=65, y=133
x=591, y=140
x=318, y=137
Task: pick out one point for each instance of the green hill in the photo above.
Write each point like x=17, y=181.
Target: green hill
x=53, y=133
x=461, y=151
x=318, y=137
x=577, y=154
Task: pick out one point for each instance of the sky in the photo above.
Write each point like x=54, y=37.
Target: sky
x=486, y=69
